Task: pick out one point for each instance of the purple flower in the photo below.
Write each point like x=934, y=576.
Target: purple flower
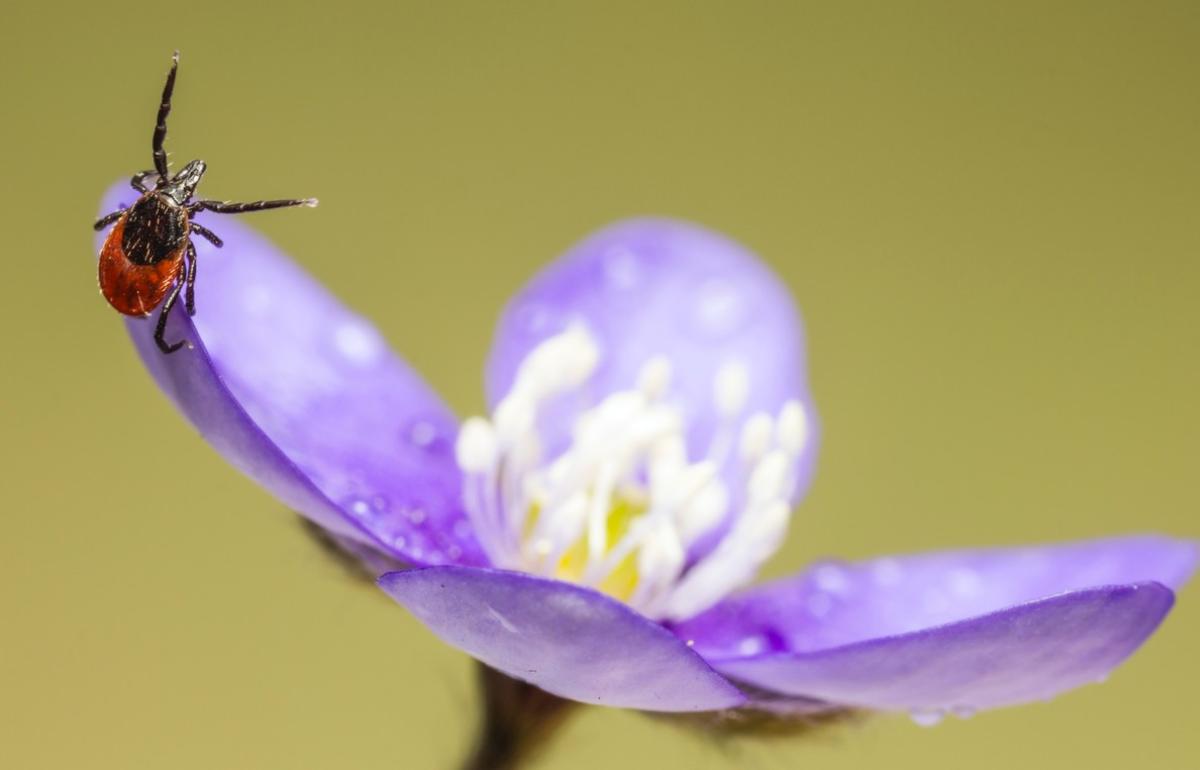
x=651, y=430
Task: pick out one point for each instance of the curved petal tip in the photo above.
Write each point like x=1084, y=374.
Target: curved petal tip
x=304, y=396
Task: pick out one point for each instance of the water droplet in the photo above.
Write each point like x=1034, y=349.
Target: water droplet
x=963, y=712
x=752, y=645
x=819, y=604
x=832, y=578
x=534, y=319
x=359, y=507
x=416, y=516
x=887, y=572
x=257, y=299
x=357, y=342
x=690, y=642
x=380, y=504
x=454, y=552
x=422, y=433
x=621, y=268
x=435, y=557
x=720, y=310
x=399, y=541
x=965, y=582
x=927, y=717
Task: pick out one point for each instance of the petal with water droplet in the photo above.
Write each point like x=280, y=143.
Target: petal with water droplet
x=305, y=396
x=927, y=717
x=1025, y=653
x=836, y=603
x=651, y=287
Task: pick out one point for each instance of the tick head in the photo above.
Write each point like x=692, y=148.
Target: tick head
x=183, y=185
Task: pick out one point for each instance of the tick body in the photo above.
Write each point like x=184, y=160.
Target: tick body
x=148, y=257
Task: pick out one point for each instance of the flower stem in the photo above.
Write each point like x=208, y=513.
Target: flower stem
x=517, y=720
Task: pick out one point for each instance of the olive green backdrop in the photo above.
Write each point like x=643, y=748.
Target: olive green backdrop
x=989, y=214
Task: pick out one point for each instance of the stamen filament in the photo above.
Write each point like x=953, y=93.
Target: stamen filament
x=619, y=508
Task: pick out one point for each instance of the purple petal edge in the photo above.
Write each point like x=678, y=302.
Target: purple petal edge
x=1030, y=652
x=304, y=396
x=831, y=604
x=566, y=639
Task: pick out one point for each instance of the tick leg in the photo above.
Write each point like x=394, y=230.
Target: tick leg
x=208, y=235
x=189, y=298
x=108, y=219
x=161, y=329
x=160, y=126
x=228, y=207
x=139, y=180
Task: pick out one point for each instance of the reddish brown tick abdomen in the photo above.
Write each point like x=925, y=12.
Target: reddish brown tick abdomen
x=130, y=288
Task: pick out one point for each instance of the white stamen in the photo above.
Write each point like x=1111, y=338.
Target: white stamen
x=792, y=429
x=731, y=391
x=769, y=477
x=660, y=559
x=655, y=378
x=731, y=388
x=704, y=513
x=560, y=363
x=555, y=533
x=597, y=533
x=756, y=437
x=514, y=419
x=732, y=564
x=476, y=447
x=667, y=457
x=627, y=457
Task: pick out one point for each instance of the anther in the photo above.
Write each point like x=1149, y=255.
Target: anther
x=731, y=388
x=476, y=446
x=769, y=477
x=792, y=429
x=655, y=377
x=756, y=437
x=560, y=363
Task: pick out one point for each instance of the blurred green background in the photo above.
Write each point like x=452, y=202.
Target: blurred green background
x=988, y=213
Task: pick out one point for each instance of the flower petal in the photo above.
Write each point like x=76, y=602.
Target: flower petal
x=650, y=287
x=834, y=604
x=1029, y=652
x=305, y=397
x=566, y=639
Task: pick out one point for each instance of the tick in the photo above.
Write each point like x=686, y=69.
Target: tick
x=148, y=257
